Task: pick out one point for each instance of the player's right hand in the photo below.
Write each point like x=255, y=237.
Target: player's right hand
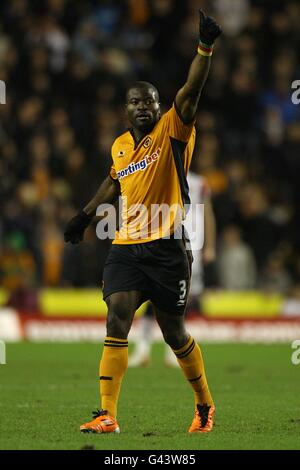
x=209, y=29
x=76, y=226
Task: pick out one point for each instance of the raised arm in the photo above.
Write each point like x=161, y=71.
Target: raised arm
x=188, y=96
x=108, y=192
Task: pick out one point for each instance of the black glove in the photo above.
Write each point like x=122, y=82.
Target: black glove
x=75, y=228
x=209, y=29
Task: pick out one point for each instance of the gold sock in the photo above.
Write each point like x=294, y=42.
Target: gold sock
x=113, y=364
x=190, y=359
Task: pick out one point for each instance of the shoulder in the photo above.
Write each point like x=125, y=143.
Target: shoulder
x=177, y=127
x=174, y=113
x=120, y=143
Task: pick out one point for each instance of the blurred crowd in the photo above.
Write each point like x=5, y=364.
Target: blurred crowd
x=67, y=64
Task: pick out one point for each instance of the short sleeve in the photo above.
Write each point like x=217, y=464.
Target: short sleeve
x=177, y=128
x=113, y=173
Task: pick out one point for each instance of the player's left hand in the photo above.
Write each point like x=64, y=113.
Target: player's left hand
x=209, y=29
x=75, y=228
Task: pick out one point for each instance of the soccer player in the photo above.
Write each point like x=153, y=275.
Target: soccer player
x=150, y=164
x=199, y=194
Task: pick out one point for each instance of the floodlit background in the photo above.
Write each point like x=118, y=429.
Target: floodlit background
x=66, y=65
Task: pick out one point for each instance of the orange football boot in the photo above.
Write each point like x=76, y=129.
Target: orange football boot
x=203, y=420
x=101, y=422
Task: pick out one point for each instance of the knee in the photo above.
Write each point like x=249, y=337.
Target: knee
x=118, y=309
x=118, y=320
x=175, y=339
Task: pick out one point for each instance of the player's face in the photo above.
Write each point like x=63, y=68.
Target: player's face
x=143, y=108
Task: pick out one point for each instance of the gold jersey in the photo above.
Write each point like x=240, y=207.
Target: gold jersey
x=151, y=196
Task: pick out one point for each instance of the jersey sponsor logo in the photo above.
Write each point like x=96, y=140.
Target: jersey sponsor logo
x=139, y=166
x=147, y=142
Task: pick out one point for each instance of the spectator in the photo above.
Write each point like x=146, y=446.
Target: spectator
x=262, y=232
x=236, y=264
x=275, y=277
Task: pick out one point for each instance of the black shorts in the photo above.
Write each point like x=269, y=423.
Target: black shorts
x=160, y=270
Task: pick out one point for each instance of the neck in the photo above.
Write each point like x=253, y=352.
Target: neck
x=138, y=135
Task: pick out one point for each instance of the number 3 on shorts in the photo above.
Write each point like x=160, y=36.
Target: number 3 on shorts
x=182, y=292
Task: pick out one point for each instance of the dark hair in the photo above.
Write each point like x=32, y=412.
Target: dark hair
x=141, y=84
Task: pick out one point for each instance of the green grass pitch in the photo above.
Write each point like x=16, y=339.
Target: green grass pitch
x=48, y=390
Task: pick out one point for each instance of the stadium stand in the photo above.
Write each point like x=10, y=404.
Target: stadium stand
x=66, y=65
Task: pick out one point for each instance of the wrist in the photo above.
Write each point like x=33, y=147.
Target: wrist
x=85, y=216
x=205, y=49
